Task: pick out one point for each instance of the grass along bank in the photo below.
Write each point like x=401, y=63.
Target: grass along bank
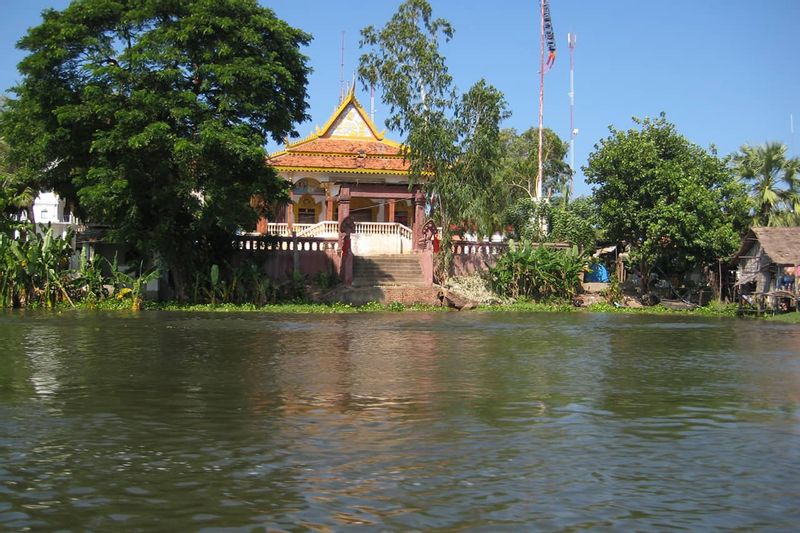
x=555, y=306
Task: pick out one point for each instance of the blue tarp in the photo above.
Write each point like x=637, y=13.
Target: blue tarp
x=599, y=274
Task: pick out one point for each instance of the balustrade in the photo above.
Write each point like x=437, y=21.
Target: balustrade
x=479, y=248
x=383, y=228
x=258, y=243
x=282, y=228
x=326, y=227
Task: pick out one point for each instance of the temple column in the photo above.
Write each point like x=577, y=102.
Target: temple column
x=280, y=216
x=344, y=204
x=329, y=207
x=345, y=228
x=419, y=220
x=262, y=225
x=290, y=217
x=390, y=215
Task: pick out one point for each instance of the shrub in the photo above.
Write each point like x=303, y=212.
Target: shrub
x=532, y=271
x=33, y=270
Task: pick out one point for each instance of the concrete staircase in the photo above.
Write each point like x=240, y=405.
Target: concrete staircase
x=387, y=270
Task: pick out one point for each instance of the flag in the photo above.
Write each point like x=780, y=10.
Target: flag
x=549, y=36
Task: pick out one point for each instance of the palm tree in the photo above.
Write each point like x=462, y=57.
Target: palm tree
x=773, y=183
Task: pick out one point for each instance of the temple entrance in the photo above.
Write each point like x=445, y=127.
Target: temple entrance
x=307, y=210
x=363, y=210
x=402, y=213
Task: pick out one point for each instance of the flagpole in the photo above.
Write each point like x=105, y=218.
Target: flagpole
x=538, y=195
x=571, y=41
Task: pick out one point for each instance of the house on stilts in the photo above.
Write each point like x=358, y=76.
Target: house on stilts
x=768, y=265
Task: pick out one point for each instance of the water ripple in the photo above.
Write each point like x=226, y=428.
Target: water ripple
x=478, y=422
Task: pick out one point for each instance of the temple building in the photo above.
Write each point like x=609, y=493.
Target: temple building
x=347, y=168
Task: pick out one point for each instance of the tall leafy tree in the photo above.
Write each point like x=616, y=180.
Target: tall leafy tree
x=520, y=163
x=773, y=183
x=515, y=179
x=151, y=116
x=452, y=142
x=675, y=204
x=15, y=197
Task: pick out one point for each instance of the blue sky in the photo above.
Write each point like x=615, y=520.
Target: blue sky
x=724, y=71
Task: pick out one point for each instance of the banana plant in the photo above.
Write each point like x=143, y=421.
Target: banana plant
x=129, y=285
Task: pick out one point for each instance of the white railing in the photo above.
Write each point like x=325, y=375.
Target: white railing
x=331, y=227
x=326, y=227
x=383, y=228
x=374, y=238
x=282, y=228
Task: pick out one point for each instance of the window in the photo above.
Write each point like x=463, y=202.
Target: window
x=306, y=215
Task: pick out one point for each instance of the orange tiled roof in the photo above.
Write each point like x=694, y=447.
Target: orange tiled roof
x=349, y=142
x=322, y=162
x=335, y=145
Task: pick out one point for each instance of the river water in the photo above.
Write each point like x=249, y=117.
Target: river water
x=472, y=421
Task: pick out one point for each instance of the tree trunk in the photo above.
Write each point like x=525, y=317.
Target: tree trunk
x=179, y=282
x=644, y=276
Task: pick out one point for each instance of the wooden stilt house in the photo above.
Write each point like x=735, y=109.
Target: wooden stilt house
x=768, y=263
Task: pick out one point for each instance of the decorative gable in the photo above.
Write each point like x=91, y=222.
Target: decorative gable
x=347, y=143
x=350, y=121
x=350, y=124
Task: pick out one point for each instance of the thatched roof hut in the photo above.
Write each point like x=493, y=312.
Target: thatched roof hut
x=764, y=254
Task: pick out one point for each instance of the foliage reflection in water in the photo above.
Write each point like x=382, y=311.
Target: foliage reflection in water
x=410, y=421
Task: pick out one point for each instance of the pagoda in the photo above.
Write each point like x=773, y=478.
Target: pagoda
x=347, y=168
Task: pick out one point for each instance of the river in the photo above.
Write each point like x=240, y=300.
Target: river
x=468, y=421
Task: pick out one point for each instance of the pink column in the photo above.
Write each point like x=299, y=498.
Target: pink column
x=345, y=228
x=419, y=220
x=262, y=225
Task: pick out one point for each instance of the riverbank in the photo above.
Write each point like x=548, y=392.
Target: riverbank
x=712, y=310
x=469, y=295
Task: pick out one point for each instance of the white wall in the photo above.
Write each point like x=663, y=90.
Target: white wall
x=365, y=245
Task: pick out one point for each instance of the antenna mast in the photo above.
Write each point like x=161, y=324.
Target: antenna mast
x=572, y=40
x=372, y=103
x=341, y=73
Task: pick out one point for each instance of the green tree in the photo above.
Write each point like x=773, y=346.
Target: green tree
x=520, y=164
x=575, y=222
x=773, y=183
x=452, y=142
x=152, y=117
x=515, y=181
x=675, y=204
x=14, y=196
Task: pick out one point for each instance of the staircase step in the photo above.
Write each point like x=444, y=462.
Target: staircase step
x=387, y=270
